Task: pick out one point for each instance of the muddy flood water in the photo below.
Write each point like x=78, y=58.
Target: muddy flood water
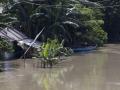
x=97, y=70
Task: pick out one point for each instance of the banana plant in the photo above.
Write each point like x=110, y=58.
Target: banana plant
x=51, y=51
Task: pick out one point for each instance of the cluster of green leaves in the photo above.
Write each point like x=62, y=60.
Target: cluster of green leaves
x=93, y=21
x=96, y=33
x=5, y=45
x=52, y=50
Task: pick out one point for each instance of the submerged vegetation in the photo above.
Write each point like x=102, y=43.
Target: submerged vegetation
x=51, y=51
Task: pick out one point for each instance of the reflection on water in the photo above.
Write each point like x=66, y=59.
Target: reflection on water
x=50, y=78
x=98, y=70
x=61, y=79
x=94, y=79
x=7, y=66
x=82, y=73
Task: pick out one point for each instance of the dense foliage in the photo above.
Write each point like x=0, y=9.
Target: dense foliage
x=111, y=9
x=93, y=22
x=66, y=20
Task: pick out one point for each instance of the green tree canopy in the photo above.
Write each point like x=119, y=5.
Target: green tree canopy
x=74, y=21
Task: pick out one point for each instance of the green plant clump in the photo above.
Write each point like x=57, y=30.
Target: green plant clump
x=51, y=52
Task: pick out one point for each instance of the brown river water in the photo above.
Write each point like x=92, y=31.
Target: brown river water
x=97, y=70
